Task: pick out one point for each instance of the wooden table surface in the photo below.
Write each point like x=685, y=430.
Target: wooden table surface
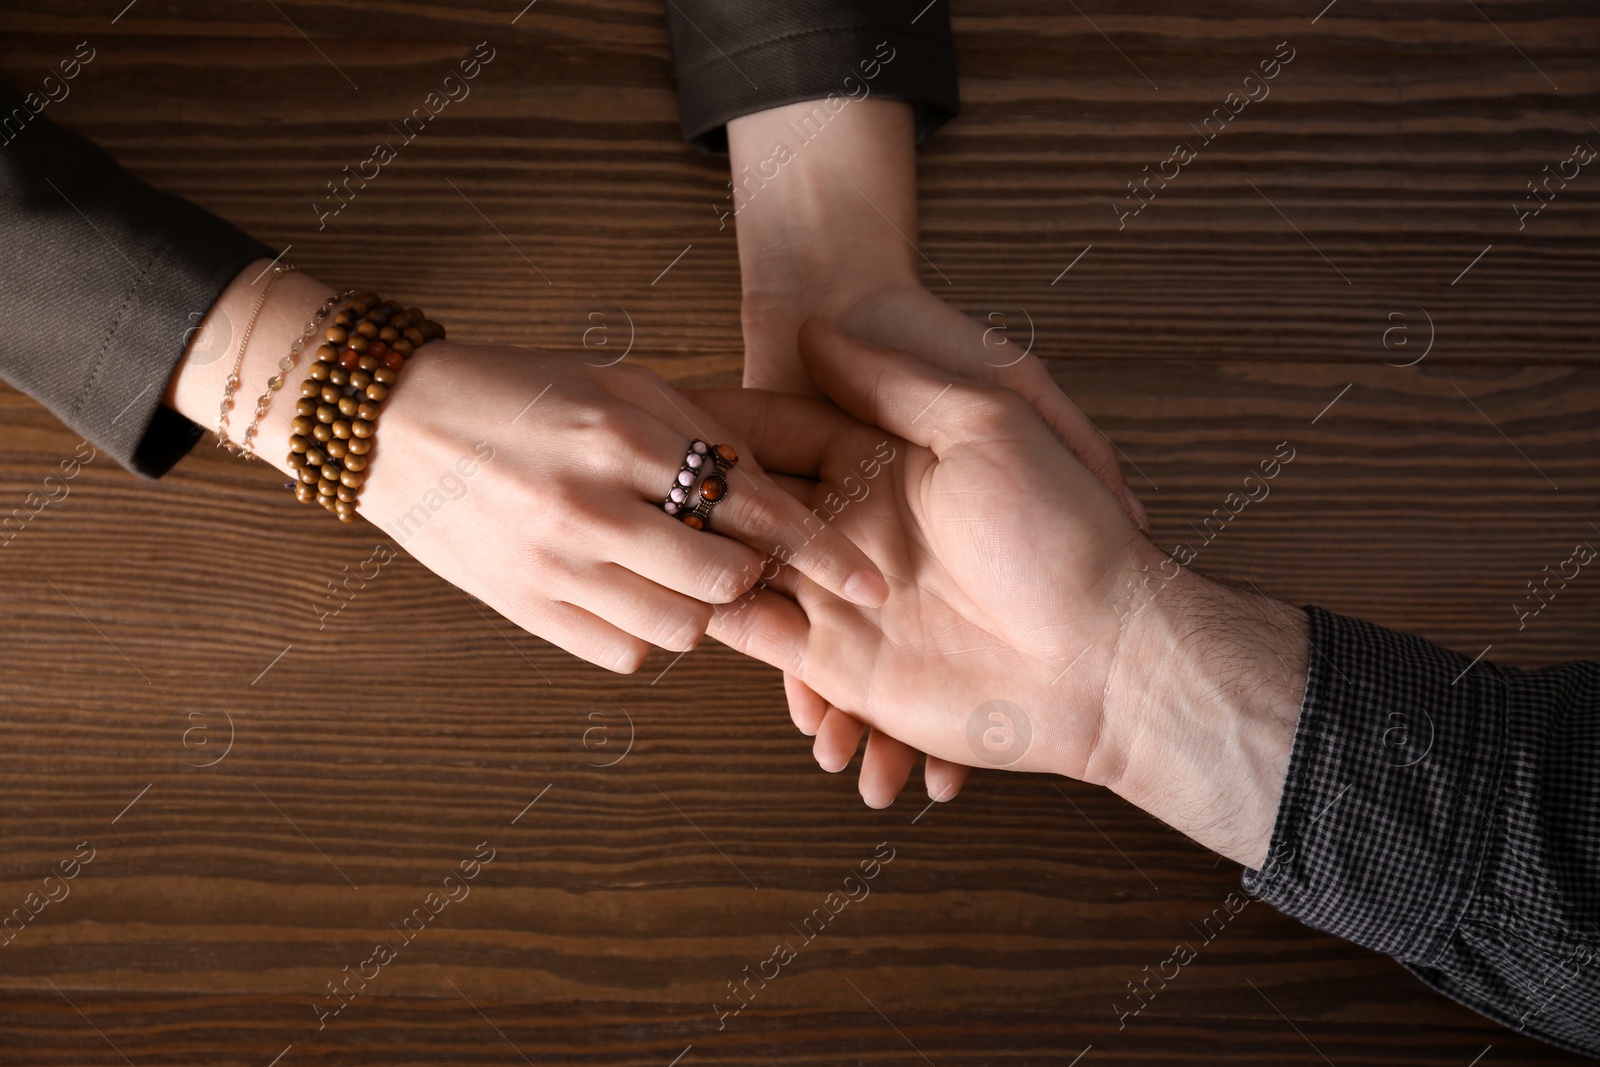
x=1360, y=216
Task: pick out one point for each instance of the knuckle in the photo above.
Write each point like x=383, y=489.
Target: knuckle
x=527, y=608
x=535, y=551
x=620, y=426
x=724, y=583
x=598, y=430
x=820, y=557
x=686, y=629
x=758, y=513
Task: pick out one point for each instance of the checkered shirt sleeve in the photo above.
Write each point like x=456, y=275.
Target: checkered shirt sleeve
x=1447, y=812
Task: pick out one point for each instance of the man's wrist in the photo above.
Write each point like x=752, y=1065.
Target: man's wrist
x=1201, y=708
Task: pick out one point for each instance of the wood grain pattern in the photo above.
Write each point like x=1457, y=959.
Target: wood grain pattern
x=1223, y=319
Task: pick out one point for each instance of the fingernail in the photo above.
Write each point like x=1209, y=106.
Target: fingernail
x=867, y=589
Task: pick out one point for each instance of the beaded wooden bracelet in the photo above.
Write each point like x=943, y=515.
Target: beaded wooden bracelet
x=336, y=415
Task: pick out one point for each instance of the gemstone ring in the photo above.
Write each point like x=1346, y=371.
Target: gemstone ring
x=701, y=483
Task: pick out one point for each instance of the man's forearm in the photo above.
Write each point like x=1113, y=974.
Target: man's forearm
x=1201, y=709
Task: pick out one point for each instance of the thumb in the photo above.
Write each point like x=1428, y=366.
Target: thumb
x=1075, y=430
x=910, y=398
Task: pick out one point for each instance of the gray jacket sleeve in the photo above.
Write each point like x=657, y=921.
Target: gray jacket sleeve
x=1447, y=812
x=735, y=57
x=101, y=280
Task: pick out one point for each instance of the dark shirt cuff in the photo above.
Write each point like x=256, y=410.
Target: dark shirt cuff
x=733, y=60
x=1438, y=810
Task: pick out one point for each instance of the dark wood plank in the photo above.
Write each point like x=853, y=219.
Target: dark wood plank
x=236, y=1031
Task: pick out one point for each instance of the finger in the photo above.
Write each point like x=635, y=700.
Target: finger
x=760, y=514
x=827, y=451
x=886, y=388
x=765, y=626
x=640, y=607
x=837, y=740
x=787, y=581
x=806, y=708
x=667, y=422
x=588, y=637
x=943, y=778
x=645, y=455
x=751, y=507
x=1133, y=506
x=653, y=545
x=1075, y=430
x=792, y=434
x=787, y=434
x=884, y=769
x=799, y=488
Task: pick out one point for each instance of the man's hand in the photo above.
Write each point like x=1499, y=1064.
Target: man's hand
x=1030, y=625
x=826, y=207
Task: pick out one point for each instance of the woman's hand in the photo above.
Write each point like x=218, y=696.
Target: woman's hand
x=534, y=481
x=563, y=531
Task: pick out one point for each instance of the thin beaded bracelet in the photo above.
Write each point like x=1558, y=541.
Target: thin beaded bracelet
x=232, y=382
x=285, y=365
x=344, y=390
